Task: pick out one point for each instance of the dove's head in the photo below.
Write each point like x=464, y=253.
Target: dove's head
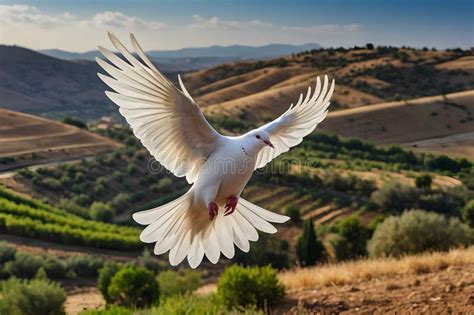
x=261, y=137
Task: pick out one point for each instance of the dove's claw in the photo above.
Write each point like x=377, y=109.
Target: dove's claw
x=212, y=208
x=231, y=205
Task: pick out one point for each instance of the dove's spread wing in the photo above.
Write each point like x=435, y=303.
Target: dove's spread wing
x=297, y=122
x=167, y=121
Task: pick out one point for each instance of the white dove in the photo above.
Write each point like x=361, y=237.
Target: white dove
x=172, y=127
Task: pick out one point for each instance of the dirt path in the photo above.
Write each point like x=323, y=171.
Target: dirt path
x=82, y=294
x=443, y=292
x=80, y=299
x=10, y=173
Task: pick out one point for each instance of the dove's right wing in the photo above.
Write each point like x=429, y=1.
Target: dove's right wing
x=167, y=121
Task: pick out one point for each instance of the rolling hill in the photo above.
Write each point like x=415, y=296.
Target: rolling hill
x=266, y=88
x=441, y=124
x=257, y=90
x=420, y=112
x=28, y=140
x=38, y=84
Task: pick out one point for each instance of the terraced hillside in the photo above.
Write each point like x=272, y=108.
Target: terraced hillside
x=263, y=89
x=442, y=124
x=410, y=93
x=27, y=140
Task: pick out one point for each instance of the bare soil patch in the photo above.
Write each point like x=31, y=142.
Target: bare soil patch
x=443, y=292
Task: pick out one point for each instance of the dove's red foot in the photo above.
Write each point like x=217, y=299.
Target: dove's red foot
x=231, y=205
x=212, y=208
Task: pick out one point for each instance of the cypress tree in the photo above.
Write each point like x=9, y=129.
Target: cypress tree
x=309, y=249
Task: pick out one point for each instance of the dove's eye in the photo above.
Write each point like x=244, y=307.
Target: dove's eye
x=257, y=136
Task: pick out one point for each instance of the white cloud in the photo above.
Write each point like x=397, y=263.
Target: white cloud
x=216, y=23
x=25, y=14
x=325, y=28
x=30, y=15
x=256, y=25
x=31, y=27
x=120, y=20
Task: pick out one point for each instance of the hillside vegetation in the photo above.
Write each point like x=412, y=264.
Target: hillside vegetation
x=332, y=181
x=262, y=89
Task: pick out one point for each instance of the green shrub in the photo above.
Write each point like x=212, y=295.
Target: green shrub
x=294, y=214
x=149, y=261
x=105, y=276
x=178, y=282
x=338, y=246
x=71, y=206
x=84, y=265
x=74, y=122
x=54, y=267
x=443, y=163
x=424, y=181
x=308, y=248
x=33, y=297
x=444, y=202
x=467, y=213
x=417, y=231
x=133, y=287
x=355, y=235
x=121, y=201
x=24, y=266
x=395, y=197
x=101, y=211
x=7, y=253
x=248, y=286
x=25, y=172
x=51, y=183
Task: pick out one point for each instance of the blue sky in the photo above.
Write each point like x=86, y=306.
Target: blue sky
x=80, y=25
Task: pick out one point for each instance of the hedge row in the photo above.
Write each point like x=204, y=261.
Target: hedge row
x=25, y=217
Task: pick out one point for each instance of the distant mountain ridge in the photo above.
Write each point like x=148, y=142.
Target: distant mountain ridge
x=69, y=55
x=235, y=52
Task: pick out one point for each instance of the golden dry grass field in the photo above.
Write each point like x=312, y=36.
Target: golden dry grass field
x=431, y=283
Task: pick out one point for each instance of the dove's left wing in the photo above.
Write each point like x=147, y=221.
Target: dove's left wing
x=297, y=122
x=166, y=120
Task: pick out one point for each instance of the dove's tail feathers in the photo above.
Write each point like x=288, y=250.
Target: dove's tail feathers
x=187, y=232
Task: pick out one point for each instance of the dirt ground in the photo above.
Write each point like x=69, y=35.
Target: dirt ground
x=449, y=291
x=82, y=295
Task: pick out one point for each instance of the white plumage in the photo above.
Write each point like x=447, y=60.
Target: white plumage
x=172, y=127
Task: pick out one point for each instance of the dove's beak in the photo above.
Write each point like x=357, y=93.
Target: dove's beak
x=269, y=144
